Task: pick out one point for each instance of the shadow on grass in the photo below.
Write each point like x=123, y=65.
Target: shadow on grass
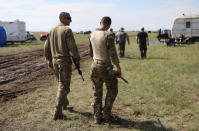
x=140, y=125
x=148, y=58
x=157, y=58
x=129, y=124
x=86, y=114
x=178, y=45
x=129, y=57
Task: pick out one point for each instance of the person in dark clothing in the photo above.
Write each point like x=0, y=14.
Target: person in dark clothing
x=143, y=41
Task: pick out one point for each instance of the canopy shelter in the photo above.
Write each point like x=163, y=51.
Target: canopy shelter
x=3, y=37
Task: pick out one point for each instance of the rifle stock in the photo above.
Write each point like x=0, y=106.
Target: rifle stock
x=75, y=63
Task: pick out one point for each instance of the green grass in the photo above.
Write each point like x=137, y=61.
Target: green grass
x=81, y=38
x=162, y=94
x=20, y=47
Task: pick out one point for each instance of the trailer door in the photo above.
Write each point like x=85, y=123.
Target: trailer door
x=188, y=27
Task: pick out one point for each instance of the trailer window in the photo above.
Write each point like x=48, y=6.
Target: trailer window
x=188, y=24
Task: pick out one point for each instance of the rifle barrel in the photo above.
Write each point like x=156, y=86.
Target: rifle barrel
x=80, y=73
x=124, y=80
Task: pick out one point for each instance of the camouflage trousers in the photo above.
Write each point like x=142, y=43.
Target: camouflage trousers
x=62, y=69
x=100, y=75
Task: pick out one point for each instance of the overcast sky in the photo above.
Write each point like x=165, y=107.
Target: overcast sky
x=42, y=15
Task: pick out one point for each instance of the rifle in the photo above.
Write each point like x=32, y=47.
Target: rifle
x=114, y=72
x=90, y=46
x=124, y=80
x=75, y=63
x=111, y=68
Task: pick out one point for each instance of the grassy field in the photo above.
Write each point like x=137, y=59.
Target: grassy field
x=162, y=94
x=19, y=47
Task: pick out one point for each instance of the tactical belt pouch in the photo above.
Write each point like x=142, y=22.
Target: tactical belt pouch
x=99, y=61
x=61, y=59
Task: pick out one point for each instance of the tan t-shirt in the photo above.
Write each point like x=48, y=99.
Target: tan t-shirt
x=103, y=46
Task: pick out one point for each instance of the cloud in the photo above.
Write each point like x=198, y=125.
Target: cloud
x=18, y=3
x=41, y=15
x=85, y=14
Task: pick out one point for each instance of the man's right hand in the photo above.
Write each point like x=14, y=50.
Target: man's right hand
x=50, y=64
x=78, y=64
x=119, y=73
x=119, y=70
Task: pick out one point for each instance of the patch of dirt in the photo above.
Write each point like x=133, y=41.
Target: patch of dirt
x=17, y=70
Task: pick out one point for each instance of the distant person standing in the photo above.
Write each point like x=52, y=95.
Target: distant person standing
x=28, y=36
x=121, y=38
x=59, y=46
x=111, y=30
x=143, y=41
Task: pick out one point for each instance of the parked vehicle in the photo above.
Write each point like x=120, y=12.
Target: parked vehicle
x=188, y=26
x=84, y=32
x=80, y=32
x=164, y=34
x=30, y=36
x=87, y=32
x=15, y=30
x=185, y=30
x=43, y=37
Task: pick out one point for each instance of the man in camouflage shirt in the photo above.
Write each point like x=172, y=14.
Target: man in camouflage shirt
x=59, y=43
x=121, y=38
x=103, y=52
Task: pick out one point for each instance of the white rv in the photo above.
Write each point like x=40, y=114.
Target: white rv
x=188, y=26
x=15, y=30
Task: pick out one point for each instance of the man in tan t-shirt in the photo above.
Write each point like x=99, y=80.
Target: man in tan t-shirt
x=104, y=54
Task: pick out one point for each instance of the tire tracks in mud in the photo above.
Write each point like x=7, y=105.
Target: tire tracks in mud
x=17, y=70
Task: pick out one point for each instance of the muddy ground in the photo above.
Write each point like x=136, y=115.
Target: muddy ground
x=17, y=70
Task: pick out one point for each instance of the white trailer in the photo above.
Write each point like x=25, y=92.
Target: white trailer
x=15, y=30
x=188, y=26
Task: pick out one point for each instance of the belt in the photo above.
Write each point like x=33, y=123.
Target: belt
x=61, y=57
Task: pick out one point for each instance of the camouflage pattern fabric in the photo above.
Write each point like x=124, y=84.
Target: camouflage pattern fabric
x=99, y=75
x=62, y=69
x=60, y=41
x=104, y=53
